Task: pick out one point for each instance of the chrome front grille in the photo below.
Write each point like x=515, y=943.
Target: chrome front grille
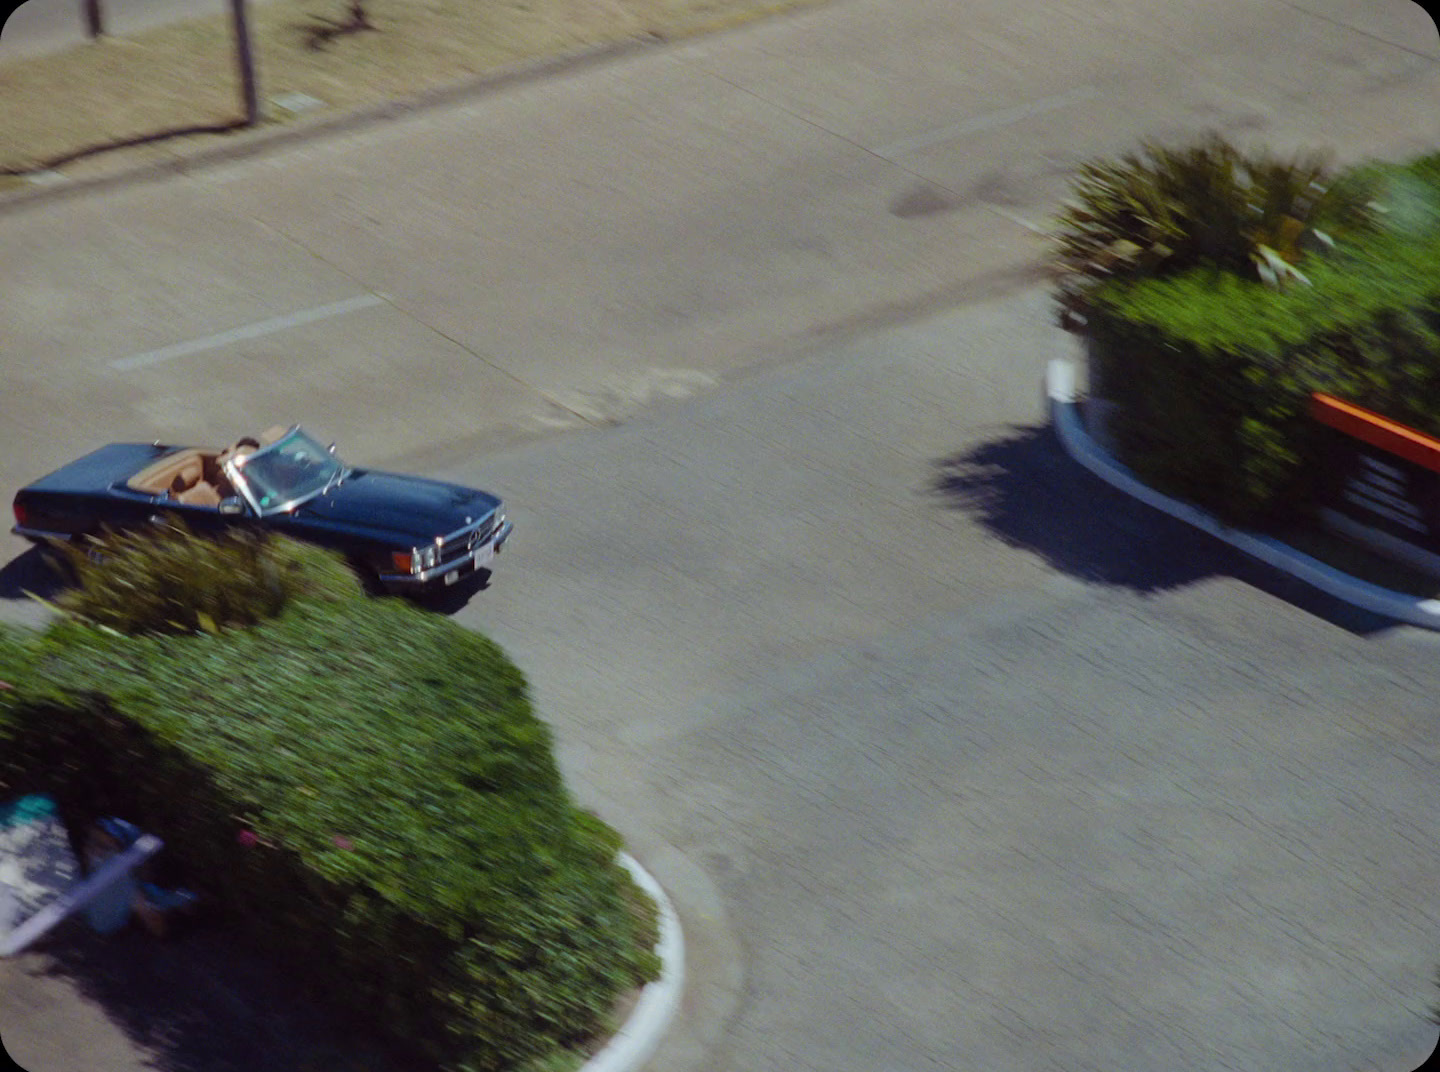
x=459, y=545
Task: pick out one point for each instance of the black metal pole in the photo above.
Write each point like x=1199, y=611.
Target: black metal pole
x=94, y=21
x=246, y=60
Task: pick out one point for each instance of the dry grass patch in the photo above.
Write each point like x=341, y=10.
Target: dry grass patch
x=184, y=74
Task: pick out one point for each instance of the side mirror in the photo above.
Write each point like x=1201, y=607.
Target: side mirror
x=232, y=506
x=331, y=448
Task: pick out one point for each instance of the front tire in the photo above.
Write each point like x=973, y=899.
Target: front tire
x=369, y=579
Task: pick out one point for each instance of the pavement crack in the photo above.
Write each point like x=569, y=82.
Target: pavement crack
x=1430, y=56
x=929, y=181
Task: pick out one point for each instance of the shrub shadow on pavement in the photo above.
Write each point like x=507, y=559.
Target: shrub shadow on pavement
x=29, y=572
x=201, y=1002
x=1026, y=490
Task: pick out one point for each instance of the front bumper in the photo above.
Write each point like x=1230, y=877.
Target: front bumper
x=441, y=576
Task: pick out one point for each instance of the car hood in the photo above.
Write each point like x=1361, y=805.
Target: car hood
x=412, y=506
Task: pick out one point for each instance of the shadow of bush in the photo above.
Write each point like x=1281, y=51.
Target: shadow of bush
x=201, y=1002
x=30, y=572
x=1029, y=493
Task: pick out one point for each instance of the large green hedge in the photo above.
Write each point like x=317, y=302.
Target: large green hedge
x=363, y=789
x=17, y=655
x=1213, y=372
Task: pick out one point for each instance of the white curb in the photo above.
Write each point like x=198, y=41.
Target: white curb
x=633, y=1044
x=1060, y=387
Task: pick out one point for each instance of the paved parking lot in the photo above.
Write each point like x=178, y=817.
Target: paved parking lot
x=950, y=756
x=988, y=766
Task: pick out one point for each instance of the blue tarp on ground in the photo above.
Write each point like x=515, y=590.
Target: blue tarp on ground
x=37, y=865
x=41, y=882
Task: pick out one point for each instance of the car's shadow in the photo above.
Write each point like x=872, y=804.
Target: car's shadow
x=451, y=600
x=1027, y=491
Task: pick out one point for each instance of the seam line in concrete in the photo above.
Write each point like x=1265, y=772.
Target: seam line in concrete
x=885, y=155
x=247, y=331
x=544, y=396
x=1060, y=389
x=1363, y=33
x=1002, y=117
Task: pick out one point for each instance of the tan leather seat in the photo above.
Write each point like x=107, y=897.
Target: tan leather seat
x=202, y=494
x=190, y=473
x=190, y=486
x=159, y=478
x=272, y=434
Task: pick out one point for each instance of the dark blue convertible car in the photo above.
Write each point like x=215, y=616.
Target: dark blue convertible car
x=403, y=533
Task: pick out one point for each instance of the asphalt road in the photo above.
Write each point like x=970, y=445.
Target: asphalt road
x=951, y=757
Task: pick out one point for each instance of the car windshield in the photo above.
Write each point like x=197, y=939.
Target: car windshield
x=295, y=468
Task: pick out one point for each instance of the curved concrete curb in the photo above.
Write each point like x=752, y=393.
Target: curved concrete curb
x=1060, y=387
x=633, y=1044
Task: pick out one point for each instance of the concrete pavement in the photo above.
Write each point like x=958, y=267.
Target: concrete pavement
x=1009, y=776
x=990, y=766
x=949, y=755
x=558, y=252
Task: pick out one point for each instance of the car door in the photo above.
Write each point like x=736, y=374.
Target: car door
x=202, y=520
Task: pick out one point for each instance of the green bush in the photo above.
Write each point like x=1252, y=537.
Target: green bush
x=17, y=655
x=1213, y=375
x=1163, y=212
x=165, y=579
x=1409, y=193
x=362, y=789
x=1212, y=372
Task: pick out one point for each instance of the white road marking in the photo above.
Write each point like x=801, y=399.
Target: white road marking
x=989, y=121
x=248, y=331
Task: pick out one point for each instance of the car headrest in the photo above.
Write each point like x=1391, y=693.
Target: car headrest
x=189, y=473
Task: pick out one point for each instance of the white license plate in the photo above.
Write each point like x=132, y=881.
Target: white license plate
x=484, y=556
x=452, y=576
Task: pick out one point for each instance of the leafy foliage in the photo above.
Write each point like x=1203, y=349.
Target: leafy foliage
x=1213, y=372
x=166, y=579
x=363, y=790
x=1166, y=211
x=16, y=656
